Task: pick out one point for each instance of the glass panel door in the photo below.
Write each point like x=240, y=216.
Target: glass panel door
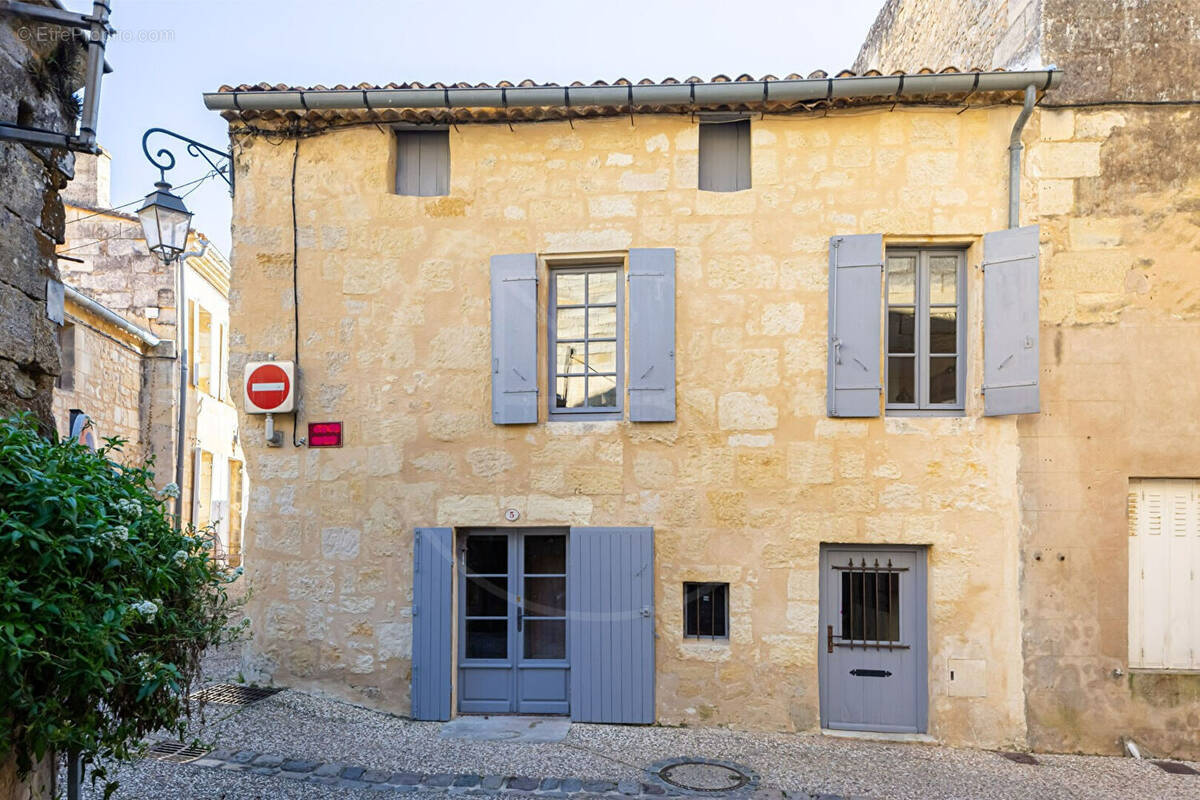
x=542, y=618
x=487, y=600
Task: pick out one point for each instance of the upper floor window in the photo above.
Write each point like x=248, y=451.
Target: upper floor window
x=423, y=163
x=925, y=337
x=586, y=341
x=725, y=156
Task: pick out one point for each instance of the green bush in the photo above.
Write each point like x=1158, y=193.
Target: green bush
x=105, y=604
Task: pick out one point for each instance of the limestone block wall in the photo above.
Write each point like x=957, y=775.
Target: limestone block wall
x=1116, y=191
x=394, y=333
x=31, y=223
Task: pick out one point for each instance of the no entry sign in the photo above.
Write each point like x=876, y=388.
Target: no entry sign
x=269, y=387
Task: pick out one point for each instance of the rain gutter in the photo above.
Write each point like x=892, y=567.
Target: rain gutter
x=899, y=87
x=148, y=338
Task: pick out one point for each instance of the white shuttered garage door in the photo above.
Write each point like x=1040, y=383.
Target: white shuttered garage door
x=1164, y=559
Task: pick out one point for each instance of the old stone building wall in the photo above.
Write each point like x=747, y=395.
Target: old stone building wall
x=744, y=487
x=31, y=212
x=1116, y=193
x=911, y=34
x=1136, y=50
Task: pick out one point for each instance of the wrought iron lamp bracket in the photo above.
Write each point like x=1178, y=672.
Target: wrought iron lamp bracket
x=164, y=159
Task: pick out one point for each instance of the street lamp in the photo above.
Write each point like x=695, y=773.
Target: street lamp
x=165, y=222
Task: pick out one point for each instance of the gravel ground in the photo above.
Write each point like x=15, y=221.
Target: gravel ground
x=299, y=725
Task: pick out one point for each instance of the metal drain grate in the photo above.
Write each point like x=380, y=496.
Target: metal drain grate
x=1175, y=768
x=175, y=752
x=1020, y=758
x=704, y=776
x=231, y=695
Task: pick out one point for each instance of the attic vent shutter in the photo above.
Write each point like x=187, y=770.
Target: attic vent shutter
x=725, y=156
x=652, y=335
x=433, y=561
x=855, y=303
x=1010, y=322
x=514, y=339
x=423, y=163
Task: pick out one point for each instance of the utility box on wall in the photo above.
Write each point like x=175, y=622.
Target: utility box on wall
x=270, y=387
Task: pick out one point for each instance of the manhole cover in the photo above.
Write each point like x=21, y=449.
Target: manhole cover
x=703, y=775
x=175, y=752
x=232, y=695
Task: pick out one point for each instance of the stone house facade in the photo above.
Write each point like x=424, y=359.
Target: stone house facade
x=778, y=561
x=130, y=389
x=1109, y=631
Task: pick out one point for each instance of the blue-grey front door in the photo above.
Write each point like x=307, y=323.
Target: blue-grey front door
x=873, y=671
x=512, y=648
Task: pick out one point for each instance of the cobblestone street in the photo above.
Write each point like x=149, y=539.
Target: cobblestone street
x=298, y=745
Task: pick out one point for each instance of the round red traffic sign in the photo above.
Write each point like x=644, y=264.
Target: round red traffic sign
x=267, y=387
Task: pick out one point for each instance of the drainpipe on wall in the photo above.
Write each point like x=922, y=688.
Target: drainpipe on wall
x=1014, y=158
x=182, y=319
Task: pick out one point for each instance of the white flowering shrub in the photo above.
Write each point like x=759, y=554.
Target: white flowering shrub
x=105, y=604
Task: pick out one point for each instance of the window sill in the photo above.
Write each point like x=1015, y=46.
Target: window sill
x=1164, y=671
x=585, y=416
x=924, y=412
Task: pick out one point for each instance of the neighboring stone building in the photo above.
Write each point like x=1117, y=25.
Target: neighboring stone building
x=104, y=257
x=1111, y=623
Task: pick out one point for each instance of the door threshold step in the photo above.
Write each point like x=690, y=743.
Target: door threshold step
x=880, y=736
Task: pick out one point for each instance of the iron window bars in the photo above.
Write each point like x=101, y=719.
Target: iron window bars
x=706, y=610
x=870, y=607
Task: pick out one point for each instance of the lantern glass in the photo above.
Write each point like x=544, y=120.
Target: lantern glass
x=165, y=222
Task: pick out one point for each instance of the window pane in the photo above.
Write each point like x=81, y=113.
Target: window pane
x=487, y=554
x=487, y=597
x=569, y=358
x=902, y=324
x=602, y=323
x=602, y=356
x=545, y=638
x=602, y=391
x=569, y=288
x=569, y=392
x=546, y=555
x=602, y=287
x=901, y=381
x=901, y=279
x=943, y=330
x=870, y=606
x=570, y=323
x=943, y=380
x=487, y=638
x=545, y=597
x=943, y=279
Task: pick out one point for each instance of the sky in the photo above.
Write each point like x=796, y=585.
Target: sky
x=166, y=53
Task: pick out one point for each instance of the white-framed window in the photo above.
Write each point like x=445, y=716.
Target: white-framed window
x=586, y=327
x=925, y=334
x=1164, y=557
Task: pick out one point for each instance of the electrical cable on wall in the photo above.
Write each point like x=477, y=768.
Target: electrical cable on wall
x=295, y=292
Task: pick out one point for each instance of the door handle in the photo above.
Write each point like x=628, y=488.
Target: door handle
x=520, y=617
x=829, y=638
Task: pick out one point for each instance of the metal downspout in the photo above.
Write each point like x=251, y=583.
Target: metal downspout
x=1014, y=158
x=181, y=422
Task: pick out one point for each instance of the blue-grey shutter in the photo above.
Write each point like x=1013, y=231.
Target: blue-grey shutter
x=1010, y=322
x=610, y=597
x=514, y=339
x=423, y=163
x=855, y=305
x=432, y=622
x=724, y=159
x=652, y=334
